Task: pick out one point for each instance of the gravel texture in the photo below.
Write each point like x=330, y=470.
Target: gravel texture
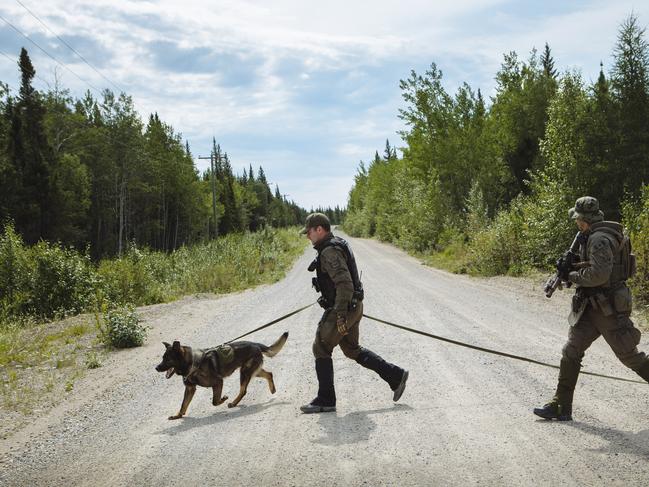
x=464, y=419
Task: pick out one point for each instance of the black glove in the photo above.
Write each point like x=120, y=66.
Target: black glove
x=563, y=268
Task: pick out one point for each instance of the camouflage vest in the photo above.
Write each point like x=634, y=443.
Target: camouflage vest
x=624, y=264
x=326, y=284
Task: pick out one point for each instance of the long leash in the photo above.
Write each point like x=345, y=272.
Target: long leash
x=440, y=338
x=281, y=318
x=493, y=352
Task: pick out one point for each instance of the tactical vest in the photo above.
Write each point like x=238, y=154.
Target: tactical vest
x=624, y=264
x=325, y=283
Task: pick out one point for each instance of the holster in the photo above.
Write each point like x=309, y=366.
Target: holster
x=315, y=284
x=579, y=303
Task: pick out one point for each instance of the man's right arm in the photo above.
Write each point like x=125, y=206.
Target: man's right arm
x=334, y=263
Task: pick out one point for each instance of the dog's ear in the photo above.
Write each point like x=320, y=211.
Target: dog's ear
x=166, y=344
x=176, y=345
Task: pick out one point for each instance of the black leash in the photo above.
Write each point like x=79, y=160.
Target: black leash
x=440, y=338
x=281, y=318
x=494, y=352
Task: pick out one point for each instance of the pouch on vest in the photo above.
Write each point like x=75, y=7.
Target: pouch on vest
x=603, y=304
x=226, y=353
x=622, y=300
x=628, y=257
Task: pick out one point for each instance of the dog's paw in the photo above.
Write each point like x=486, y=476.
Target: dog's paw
x=175, y=416
x=220, y=401
x=231, y=404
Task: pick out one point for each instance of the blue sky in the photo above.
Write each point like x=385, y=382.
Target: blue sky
x=306, y=89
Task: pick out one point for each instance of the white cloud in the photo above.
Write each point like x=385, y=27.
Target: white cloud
x=321, y=78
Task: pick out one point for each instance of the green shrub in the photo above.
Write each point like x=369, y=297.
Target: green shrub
x=47, y=281
x=43, y=281
x=137, y=277
x=635, y=215
x=15, y=272
x=531, y=233
x=63, y=282
x=121, y=328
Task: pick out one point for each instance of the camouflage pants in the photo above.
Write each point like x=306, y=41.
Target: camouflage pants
x=618, y=331
x=327, y=336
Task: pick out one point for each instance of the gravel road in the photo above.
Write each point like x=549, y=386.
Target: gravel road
x=464, y=419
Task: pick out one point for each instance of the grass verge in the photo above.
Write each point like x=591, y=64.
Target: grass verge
x=40, y=362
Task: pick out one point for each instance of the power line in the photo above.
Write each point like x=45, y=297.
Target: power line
x=49, y=55
x=69, y=46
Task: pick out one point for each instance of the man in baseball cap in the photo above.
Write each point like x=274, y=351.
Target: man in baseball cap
x=316, y=220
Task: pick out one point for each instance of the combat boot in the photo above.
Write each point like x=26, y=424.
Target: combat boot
x=325, y=402
x=644, y=371
x=560, y=408
x=395, y=376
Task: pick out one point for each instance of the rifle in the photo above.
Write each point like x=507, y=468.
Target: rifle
x=566, y=263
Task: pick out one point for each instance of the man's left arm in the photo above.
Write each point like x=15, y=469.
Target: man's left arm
x=601, y=264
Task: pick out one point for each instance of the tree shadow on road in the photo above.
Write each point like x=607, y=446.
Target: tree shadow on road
x=354, y=427
x=188, y=423
x=618, y=441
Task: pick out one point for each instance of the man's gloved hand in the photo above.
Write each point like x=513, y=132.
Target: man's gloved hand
x=341, y=324
x=563, y=268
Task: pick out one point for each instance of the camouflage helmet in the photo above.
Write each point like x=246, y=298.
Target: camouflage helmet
x=586, y=209
x=316, y=220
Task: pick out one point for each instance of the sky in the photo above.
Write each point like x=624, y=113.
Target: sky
x=305, y=89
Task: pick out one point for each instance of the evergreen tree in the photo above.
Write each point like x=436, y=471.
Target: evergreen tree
x=32, y=160
x=601, y=130
x=630, y=90
x=547, y=61
x=8, y=177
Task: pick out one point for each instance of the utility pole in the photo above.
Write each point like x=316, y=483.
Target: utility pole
x=213, y=180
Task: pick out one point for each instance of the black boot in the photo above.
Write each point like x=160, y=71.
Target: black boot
x=326, y=400
x=395, y=376
x=644, y=371
x=560, y=407
x=554, y=410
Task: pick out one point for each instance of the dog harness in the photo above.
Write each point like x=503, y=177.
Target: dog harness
x=215, y=357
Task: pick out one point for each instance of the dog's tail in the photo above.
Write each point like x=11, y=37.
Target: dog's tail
x=275, y=347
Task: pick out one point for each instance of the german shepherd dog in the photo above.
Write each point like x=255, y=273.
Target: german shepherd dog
x=207, y=367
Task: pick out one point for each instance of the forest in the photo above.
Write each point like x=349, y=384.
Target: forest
x=484, y=185
x=91, y=173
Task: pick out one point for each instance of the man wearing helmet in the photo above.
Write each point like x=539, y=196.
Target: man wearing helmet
x=601, y=304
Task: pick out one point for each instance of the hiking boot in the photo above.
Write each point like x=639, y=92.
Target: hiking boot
x=401, y=387
x=317, y=406
x=325, y=402
x=554, y=410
